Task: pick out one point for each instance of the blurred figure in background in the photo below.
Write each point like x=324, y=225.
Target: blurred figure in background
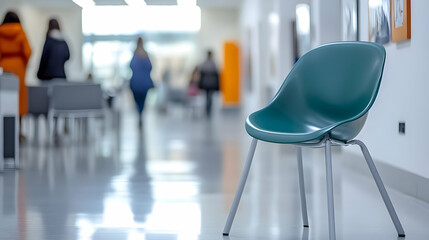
x=209, y=80
x=193, y=89
x=15, y=52
x=55, y=54
x=141, y=81
x=162, y=90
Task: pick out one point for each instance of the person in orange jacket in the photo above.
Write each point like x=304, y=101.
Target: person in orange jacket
x=15, y=52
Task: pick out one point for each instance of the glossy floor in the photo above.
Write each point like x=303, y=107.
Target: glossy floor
x=175, y=180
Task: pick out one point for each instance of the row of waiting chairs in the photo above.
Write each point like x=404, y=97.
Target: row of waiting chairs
x=66, y=100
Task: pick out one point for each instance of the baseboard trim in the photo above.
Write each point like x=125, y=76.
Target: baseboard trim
x=399, y=179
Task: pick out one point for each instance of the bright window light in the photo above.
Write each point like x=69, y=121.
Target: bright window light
x=374, y=3
x=303, y=28
x=187, y=2
x=98, y=20
x=303, y=18
x=84, y=3
x=274, y=18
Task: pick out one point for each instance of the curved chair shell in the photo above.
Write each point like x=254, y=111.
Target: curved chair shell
x=309, y=104
x=323, y=101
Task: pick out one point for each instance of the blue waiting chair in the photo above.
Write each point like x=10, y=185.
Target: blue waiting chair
x=323, y=102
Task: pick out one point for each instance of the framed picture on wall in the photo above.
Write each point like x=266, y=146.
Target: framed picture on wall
x=350, y=20
x=379, y=21
x=294, y=42
x=401, y=20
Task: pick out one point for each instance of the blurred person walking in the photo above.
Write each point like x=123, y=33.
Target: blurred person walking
x=209, y=80
x=55, y=54
x=15, y=52
x=141, y=81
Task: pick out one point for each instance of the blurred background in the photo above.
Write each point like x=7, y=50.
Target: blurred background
x=254, y=45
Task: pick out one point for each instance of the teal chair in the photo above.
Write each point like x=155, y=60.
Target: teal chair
x=323, y=102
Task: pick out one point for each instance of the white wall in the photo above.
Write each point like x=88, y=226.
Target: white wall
x=251, y=25
x=403, y=96
x=287, y=13
x=326, y=21
x=217, y=26
x=35, y=19
x=254, y=20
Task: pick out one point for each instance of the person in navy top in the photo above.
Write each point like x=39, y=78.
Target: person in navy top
x=141, y=81
x=55, y=54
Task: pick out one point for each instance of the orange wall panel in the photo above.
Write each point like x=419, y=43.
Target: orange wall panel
x=230, y=84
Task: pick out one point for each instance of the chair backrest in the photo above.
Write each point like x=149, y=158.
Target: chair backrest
x=76, y=97
x=334, y=83
x=38, y=100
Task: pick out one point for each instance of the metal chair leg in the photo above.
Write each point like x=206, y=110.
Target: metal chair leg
x=240, y=189
x=305, y=234
x=51, y=128
x=302, y=186
x=16, y=150
x=1, y=145
x=381, y=187
x=330, y=190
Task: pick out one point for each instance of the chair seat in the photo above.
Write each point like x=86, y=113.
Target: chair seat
x=273, y=126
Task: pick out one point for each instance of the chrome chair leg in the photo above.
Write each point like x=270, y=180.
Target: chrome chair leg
x=302, y=186
x=330, y=190
x=240, y=189
x=305, y=234
x=381, y=187
x=1, y=146
x=51, y=129
x=16, y=150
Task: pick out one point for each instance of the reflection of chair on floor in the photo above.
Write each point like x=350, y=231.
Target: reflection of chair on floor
x=75, y=101
x=38, y=103
x=323, y=102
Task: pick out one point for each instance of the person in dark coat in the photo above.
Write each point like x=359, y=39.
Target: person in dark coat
x=55, y=54
x=141, y=81
x=209, y=80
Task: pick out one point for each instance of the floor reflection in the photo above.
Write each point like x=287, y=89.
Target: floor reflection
x=128, y=203
x=175, y=179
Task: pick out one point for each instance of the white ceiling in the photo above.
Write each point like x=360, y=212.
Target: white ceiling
x=201, y=3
